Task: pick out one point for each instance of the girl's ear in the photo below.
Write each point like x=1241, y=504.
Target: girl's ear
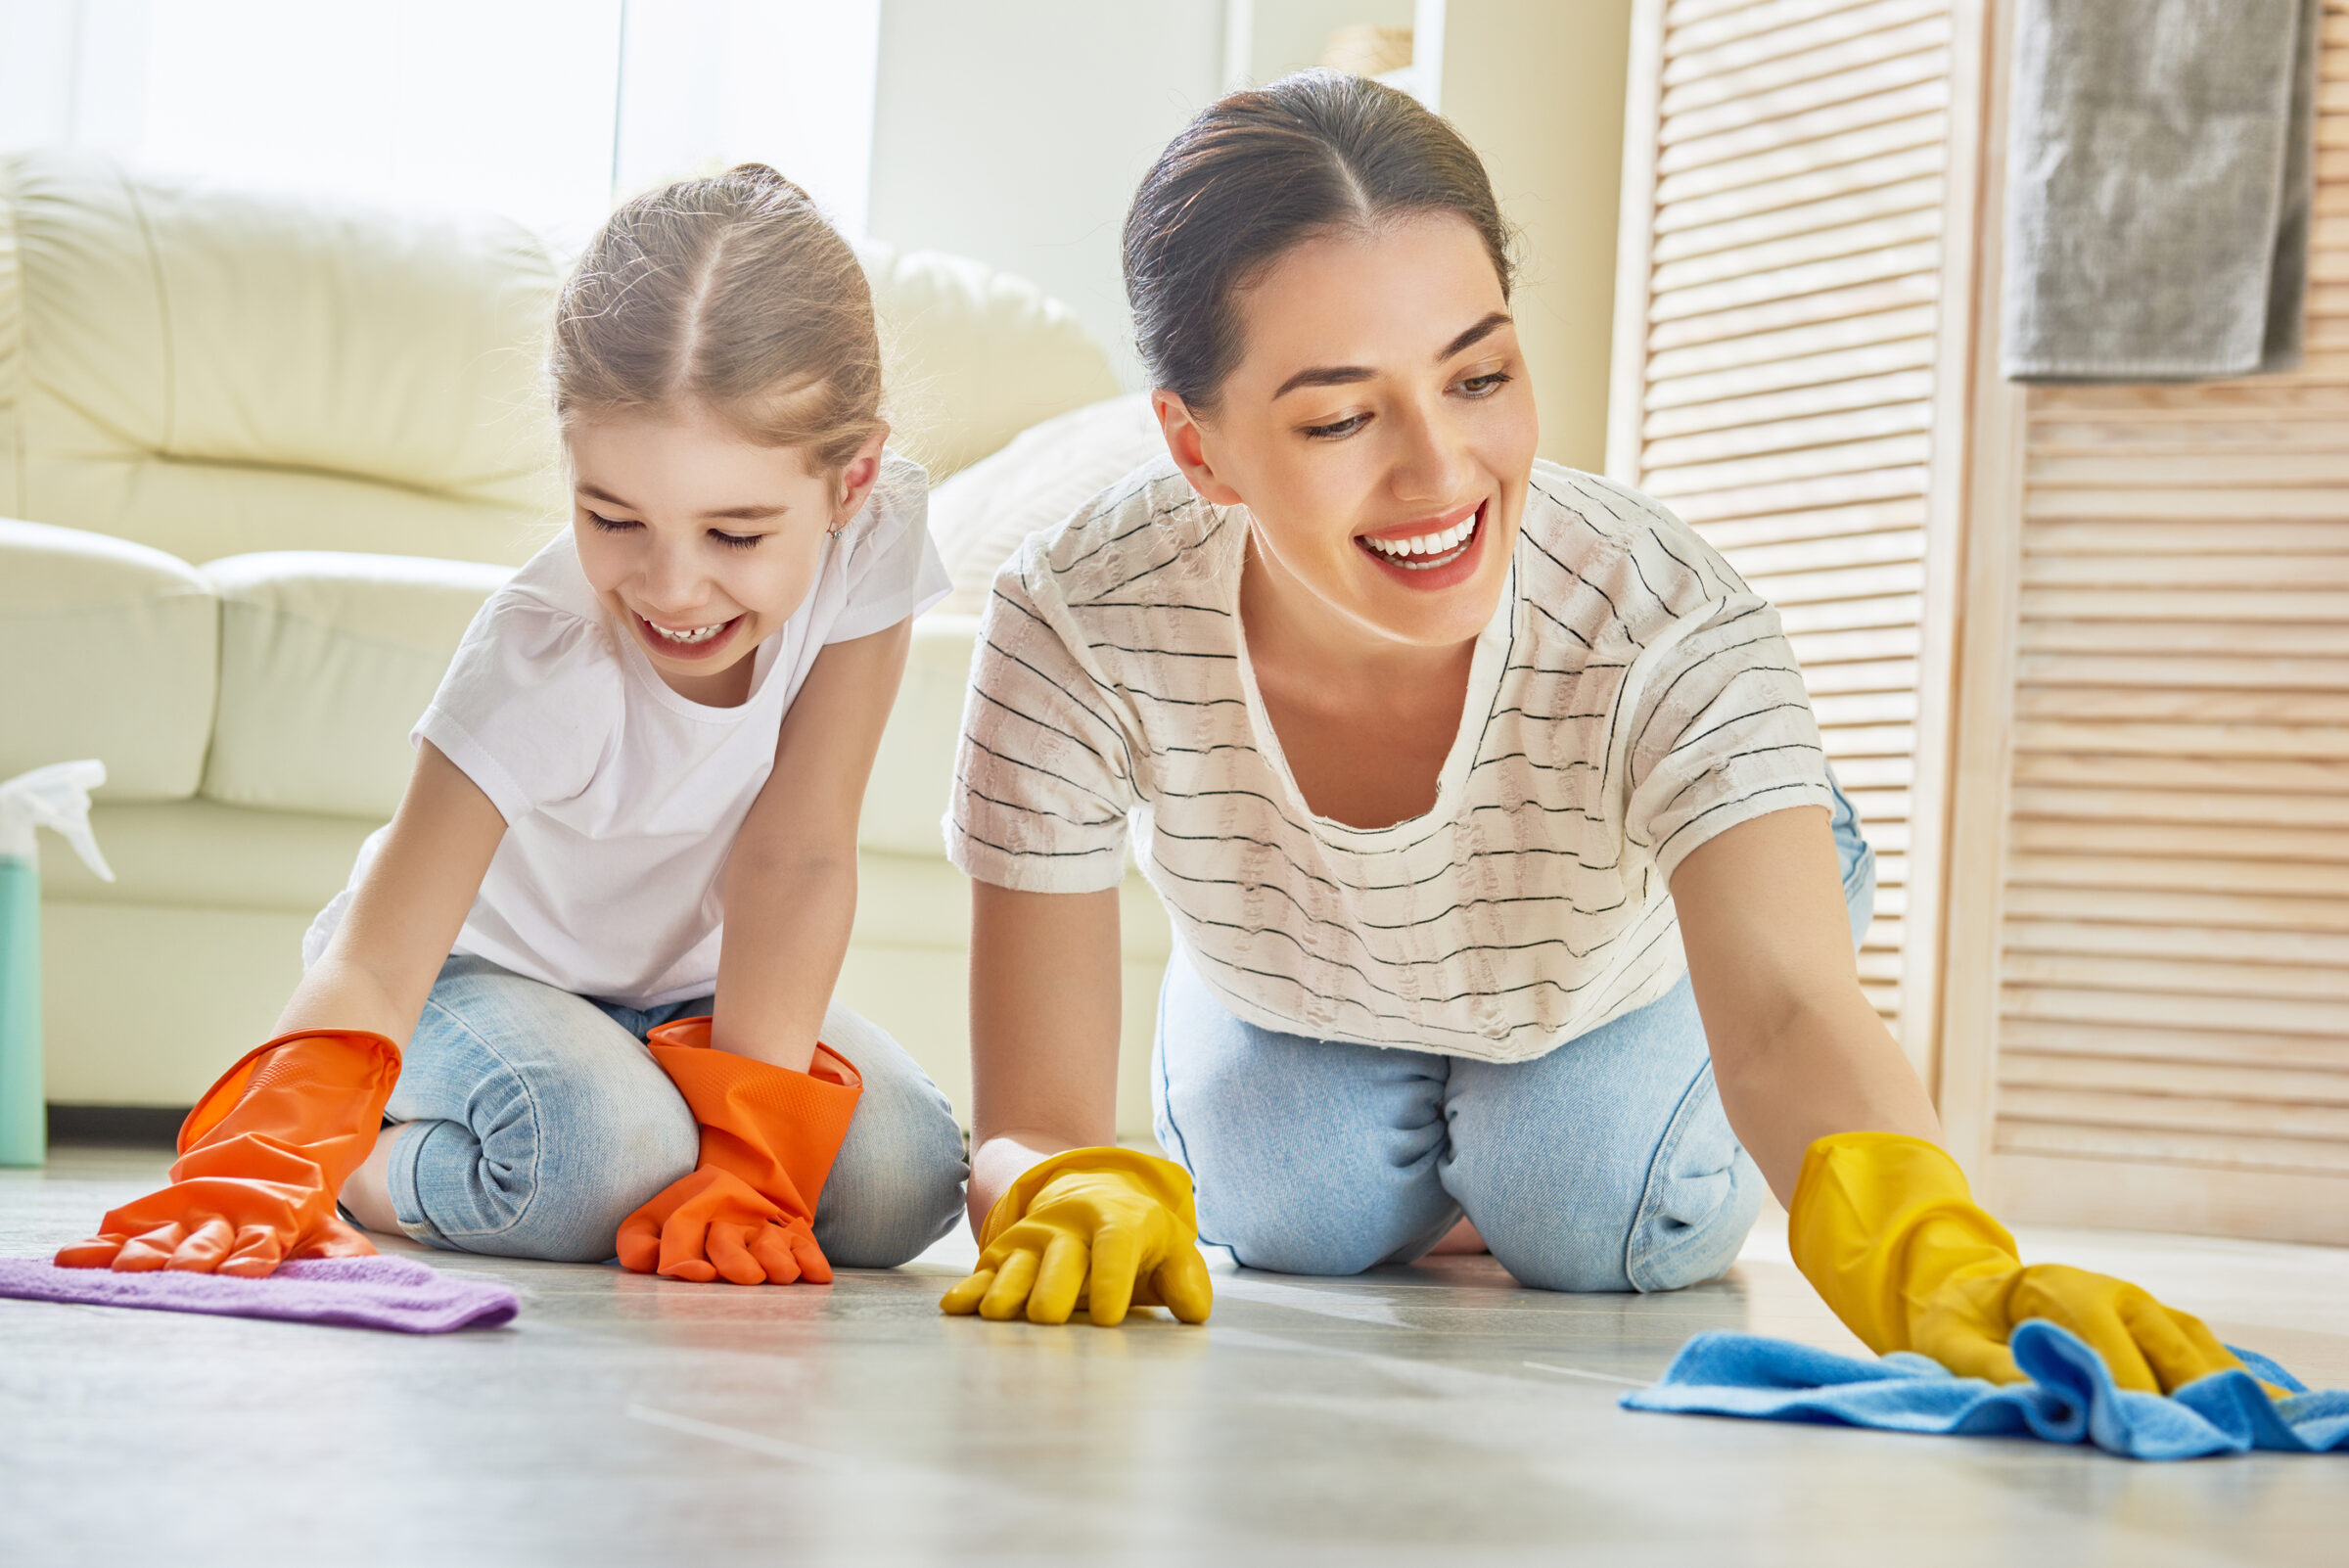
x=1187, y=442
x=857, y=479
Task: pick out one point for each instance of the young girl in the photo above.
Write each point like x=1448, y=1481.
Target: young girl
x=1509, y=876
x=637, y=785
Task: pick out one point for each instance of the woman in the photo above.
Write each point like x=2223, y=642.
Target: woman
x=1509, y=876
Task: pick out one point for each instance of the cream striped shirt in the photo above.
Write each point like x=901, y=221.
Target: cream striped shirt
x=1631, y=699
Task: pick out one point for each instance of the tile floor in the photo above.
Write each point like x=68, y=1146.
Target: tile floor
x=1431, y=1415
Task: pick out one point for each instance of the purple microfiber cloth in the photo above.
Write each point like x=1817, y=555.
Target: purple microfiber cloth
x=395, y=1293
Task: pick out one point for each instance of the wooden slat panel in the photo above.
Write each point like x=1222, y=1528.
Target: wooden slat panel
x=1795, y=86
x=1789, y=434
x=2152, y=636
x=2172, y=672
x=2062, y=889
x=2218, y=1047
x=2282, y=948
x=1693, y=64
x=1828, y=306
x=1857, y=393
x=1789, y=344
x=2182, y=976
x=2267, y=1014
x=2226, y=779
x=1787, y=302
x=1802, y=187
x=1876, y=201
x=2178, y=807
x=2238, y=1152
x=1696, y=24
x=2247, y=1087
x=1921, y=222
x=1920, y=130
x=2312, y=884
x=2167, y=705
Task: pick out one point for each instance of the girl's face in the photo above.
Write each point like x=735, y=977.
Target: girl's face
x=701, y=542
x=1380, y=430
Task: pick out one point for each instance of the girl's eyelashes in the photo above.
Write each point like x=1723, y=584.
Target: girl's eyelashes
x=622, y=524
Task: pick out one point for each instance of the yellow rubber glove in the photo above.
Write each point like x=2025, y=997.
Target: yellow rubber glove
x=1887, y=1230
x=1098, y=1227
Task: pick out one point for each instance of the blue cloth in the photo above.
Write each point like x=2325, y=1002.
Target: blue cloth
x=2070, y=1399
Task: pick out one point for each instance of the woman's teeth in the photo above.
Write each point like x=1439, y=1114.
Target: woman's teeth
x=1445, y=544
x=687, y=638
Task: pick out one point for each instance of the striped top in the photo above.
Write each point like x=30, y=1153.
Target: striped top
x=1631, y=699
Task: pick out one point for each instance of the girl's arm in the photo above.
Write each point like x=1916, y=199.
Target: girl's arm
x=1045, y=1021
x=791, y=876
x=1798, y=1050
x=404, y=916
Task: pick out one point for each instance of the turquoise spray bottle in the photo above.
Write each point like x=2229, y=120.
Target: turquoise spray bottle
x=58, y=797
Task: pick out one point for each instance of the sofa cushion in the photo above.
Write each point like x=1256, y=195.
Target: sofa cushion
x=915, y=767
x=974, y=356
x=211, y=371
x=108, y=649
x=327, y=661
x=200, y=855
x=980, y=516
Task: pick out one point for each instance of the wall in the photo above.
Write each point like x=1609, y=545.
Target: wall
x=1267, y=39
x=1538, y=90
x=1016, y=131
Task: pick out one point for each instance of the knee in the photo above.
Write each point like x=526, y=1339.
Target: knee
x=572, y=1154
x=896, y=1186
x=1298, y=1243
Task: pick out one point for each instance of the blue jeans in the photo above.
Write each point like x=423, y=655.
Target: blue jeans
x=536, y=1121
x=1604, y=1165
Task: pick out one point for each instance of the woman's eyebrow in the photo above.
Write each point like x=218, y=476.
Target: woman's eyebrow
x=1344, y=375
x=596, y=492
x=746, y=513
x=1474, y=335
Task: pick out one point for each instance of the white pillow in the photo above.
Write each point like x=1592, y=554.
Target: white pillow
x=980, y=516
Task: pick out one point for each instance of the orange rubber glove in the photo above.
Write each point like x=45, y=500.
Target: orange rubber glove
x=1887, y=1230
x=260, y=1160
x=747, y=1214
x=1102, y=1228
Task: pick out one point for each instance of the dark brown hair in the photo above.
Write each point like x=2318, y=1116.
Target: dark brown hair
x=1263, y=170
x=732, y=293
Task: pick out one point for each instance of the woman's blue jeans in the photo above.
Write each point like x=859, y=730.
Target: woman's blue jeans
x=1606, y=1165
x=536, y=1121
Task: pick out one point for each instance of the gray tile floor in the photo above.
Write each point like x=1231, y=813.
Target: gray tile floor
x=1437, y=1415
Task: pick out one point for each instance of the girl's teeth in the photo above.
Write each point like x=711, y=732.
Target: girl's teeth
x=697, y=634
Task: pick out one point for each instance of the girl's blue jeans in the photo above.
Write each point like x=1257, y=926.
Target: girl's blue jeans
x=1604, y=1165
x=536, y=1121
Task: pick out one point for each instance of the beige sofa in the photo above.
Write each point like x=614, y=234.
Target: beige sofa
x=259, y=463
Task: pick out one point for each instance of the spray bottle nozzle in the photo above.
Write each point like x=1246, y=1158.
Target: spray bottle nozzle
x=56, y=798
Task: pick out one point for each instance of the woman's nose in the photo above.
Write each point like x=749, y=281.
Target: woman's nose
x=1430, y=459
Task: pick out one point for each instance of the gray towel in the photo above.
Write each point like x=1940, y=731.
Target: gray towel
x=2161, y=164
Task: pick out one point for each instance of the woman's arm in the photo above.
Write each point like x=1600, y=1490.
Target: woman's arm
x=404, y=916
x=1797, y=1051
x=791, y=876
x=1045, y=1021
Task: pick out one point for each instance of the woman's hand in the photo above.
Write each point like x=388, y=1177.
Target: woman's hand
x=1888, y=1231
x=1103, y=1229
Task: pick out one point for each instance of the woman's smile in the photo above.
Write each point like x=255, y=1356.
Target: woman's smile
x=1432, y=552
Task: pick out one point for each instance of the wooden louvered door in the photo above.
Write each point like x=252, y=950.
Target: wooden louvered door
x=2163, y=1038
x=1795, y=269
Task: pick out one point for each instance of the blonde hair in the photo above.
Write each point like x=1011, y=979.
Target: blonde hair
x=731, y=292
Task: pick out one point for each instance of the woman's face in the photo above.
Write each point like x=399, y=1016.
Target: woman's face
x=1379, y=428
x=701, y=542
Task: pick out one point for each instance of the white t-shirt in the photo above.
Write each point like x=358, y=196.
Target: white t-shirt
x=1631, y=699
x=622, y=799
